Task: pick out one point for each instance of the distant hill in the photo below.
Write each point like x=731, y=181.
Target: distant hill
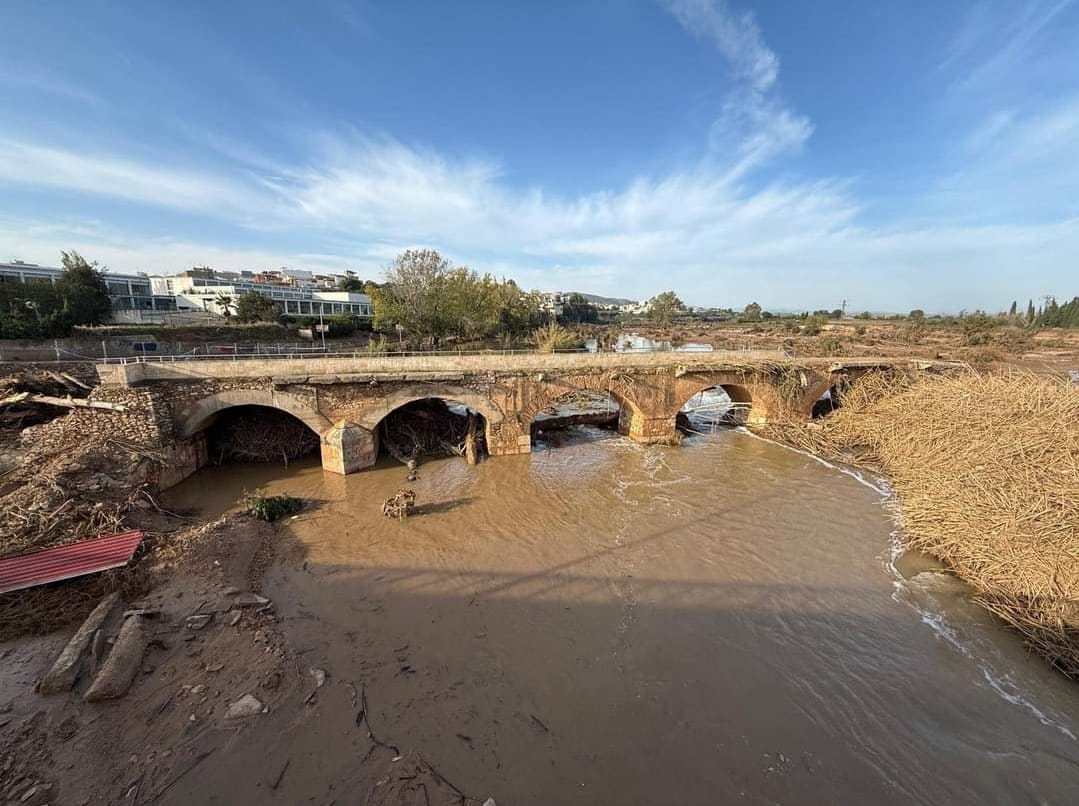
x=595, y=299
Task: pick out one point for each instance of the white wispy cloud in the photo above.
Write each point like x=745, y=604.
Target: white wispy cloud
x=754, y=125
x=25, y=77
x=736, y=35
x=31, y=165
x=998, y=40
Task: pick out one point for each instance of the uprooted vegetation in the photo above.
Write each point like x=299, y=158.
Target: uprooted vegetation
x=986, y=469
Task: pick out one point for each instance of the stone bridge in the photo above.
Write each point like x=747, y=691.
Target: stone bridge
x=343, y=398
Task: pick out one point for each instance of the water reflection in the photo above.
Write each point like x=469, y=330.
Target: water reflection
x=632, y=342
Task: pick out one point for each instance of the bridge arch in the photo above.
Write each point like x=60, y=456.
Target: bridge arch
x=195, y=417
x=740, y=395
x=374, y=415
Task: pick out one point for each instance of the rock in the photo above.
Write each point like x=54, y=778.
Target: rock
x=231, y=591
x=272, y=681
x=198, y=689
x=260, y=637
x=37, y=795
x=149, y=612
x=64, y=672
x=119, y=670
x=236, y=616
x=199, y=621
x=490, y=802
x=244, y=708
x=98, y=651
x=249, y=599
x=320, y=677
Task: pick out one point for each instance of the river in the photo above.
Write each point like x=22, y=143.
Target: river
x=606, y=623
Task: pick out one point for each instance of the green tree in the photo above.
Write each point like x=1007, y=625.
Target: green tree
x=351, y=284
x=225, y=303
x=578, y=309
x=82, y=288
x=256, y=307
x=414, y=295
x=752, y=312
x=917, y=314
x=1012, y=310
x=432, y=300
x=1030, y=312
x=32, y=310
x=664, y=306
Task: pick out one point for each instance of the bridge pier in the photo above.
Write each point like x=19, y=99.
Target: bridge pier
x=646, y=429
x=347, y=447
x=509, y=437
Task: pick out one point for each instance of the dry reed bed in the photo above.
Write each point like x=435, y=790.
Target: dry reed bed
x=986, y=468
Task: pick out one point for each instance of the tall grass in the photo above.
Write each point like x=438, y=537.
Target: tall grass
x=986, y=468
x=553, y=337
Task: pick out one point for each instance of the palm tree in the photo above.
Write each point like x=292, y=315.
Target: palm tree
x=225, y=303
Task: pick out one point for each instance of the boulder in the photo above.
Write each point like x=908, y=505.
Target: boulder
x=244, y=708
x=64, y=672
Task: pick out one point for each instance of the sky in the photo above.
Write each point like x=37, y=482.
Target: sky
x=891, y=154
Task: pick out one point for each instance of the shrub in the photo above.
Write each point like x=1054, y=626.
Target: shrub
x=553, y=337
x=272, y=507
x=830, y=345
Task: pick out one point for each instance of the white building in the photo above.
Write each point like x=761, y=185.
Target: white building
x=298, y=293
x=127, y=292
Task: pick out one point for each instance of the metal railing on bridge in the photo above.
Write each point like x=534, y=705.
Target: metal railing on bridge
x=737, y=354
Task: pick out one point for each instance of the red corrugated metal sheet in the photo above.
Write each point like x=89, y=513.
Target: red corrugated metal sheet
x=65, y=562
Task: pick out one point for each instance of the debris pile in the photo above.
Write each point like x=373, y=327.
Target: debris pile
x=432, y=428
x=28, y=398
x=269, y=436
x=400, y=505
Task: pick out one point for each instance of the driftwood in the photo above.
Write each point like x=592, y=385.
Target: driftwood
x=66, y=402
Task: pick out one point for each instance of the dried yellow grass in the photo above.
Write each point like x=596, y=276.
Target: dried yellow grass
x=986, y=468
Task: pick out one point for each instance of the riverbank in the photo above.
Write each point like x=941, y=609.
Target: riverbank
x=986, y=470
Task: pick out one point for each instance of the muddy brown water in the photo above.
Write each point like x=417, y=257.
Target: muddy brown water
x=606, y=623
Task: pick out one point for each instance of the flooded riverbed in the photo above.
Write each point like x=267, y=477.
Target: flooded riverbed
x=606, y=623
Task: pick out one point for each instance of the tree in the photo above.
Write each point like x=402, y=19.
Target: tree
x=431, y=299
x=225, y=303
x=351, y=284
x=917, y=314
x=578, y=309
x=82, y=289
x=414, y=294
x=1012, y=310
x=256, y=307
x=1030, y=312
x=664, y=306
x=752, y=312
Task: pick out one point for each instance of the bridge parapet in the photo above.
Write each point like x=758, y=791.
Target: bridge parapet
x=129, y=372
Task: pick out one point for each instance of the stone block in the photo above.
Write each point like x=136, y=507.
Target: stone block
x=348, y=447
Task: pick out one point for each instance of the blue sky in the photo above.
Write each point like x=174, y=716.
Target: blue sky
x=895, y=154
